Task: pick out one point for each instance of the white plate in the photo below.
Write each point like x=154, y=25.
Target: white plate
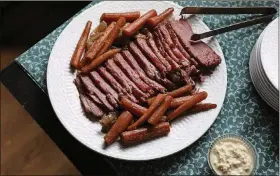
x=269, y=89
x=262, y=91
x=263, y=86
x=269, y=52
x=65, y=100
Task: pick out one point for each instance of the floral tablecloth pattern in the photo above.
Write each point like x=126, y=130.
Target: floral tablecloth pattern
x=244, y=112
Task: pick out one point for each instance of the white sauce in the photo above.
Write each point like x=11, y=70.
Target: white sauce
x=231, y=157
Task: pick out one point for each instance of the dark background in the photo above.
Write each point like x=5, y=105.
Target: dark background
x=25, y=23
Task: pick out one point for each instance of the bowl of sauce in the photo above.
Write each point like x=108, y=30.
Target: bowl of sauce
x=232, y=155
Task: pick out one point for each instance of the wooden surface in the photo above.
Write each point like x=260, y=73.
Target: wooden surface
x=25, y=147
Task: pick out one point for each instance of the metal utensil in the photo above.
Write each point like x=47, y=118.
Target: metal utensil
x=267, y=15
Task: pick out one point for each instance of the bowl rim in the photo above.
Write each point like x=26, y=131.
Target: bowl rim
x=242, y=139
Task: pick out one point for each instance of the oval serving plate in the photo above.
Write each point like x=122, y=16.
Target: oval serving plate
x=64, y=96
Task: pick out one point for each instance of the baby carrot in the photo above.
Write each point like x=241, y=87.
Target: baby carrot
x=158, y=100
x=118, y=127
x=187, y=105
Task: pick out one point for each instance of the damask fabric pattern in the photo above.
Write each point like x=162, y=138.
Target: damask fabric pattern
x=243, y=113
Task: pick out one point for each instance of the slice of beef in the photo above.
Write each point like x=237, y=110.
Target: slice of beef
x=148, y=67
x=178, y=44
x=199, y=50
x=79, y=85
x=152, y=44
x=92, y=97
x=166, y=35
x=132, y=62
x=96, y=100
x=90, y=107
x=119, y=60
x=173, y=52
x=180, y=76
x=143, y=45
x=105, y=87
x=118, y=76
x=124, y=80
x=92, y=89
x=165, y=46
x=176, y=51
x=173, y=64
x=115, y=84
x=183, y=60
x=112, y=81
x=188, y=71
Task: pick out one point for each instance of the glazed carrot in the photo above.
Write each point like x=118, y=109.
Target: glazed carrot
x=118, y=127
x=80, y=46
x=202, y=107
x=159, y=99
x=138, y=110
x=99, y=60
x=181, y=91
x=133, y=27
x=84, y=61
x=143, y=134
x=187, y=105
x=175, y=93
x=152, y=22
x=94, y=49
x=176, y=102
x=96, y=33
x=113, y=35
x=133, y=107
x=129, y=16
x=157, y=115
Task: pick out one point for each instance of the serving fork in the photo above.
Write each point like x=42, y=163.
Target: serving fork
x=267, y=14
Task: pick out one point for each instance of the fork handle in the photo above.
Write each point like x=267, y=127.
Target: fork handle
x=228, y=10
x=262, y=19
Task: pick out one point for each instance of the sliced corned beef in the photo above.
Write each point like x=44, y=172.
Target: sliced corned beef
x=173, y=64
x=115, y=84
x=105, y=87
x=119, y=60
x=120, y=76
x=132, y=62
x=166, y=35
x=148, y=67
x=143, y=45
x=92, y=89
x=173, y=51
x=155, y=49
x=166, y=47
x=89, y=97
x=178, y=44
x=79, y=85
x=90, y=107
x=96, y=101
x=203, y=54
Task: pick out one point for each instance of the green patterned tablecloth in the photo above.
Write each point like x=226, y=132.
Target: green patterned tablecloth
x=243, y=113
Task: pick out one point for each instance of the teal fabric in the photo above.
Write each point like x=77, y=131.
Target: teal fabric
x=243, y=112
